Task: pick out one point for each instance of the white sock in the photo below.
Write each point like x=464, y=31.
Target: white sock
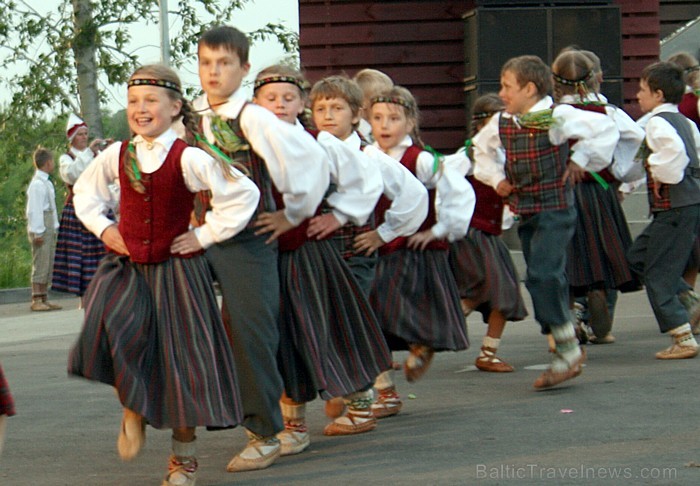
x=490, y=342
x=683, y=336
x=568, y=349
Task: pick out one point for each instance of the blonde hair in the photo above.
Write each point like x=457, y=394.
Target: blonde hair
x=339, y=87
x=373, y=82
x=574, y=74
x=689, y=64
x=173, y=89
x=400, y=96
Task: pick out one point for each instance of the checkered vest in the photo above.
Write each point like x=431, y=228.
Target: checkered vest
x=687, y=191
x=535, y=168
x=258, y=173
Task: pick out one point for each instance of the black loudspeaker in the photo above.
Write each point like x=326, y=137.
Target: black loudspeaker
x=494, y=35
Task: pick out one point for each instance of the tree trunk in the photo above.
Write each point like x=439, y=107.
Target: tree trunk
x=84, y=50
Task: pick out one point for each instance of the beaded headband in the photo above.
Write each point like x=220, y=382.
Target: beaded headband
x=573, y=82
x=259, y=83
x=161, y=83
x=482, y=114
x=692, y=69
x=392, y=100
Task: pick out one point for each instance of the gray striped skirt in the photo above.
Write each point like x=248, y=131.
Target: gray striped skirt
x=597, y=257
x=416, y=301
x=154, y=332
x=330, y=341
x=485, y=273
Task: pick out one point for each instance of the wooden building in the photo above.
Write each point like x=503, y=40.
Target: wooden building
x=423, y=45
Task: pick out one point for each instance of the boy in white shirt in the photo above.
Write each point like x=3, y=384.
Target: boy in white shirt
x=660, y=253
x=42, y=226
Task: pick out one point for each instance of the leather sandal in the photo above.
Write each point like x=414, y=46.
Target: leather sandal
x=491, y=362
x=358, y=425
x=132, y=435
x=388, y=403
x=418, y=362
x=552, y=378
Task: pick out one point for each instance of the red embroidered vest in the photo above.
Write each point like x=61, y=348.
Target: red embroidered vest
x=409, y=160
x=149, y=222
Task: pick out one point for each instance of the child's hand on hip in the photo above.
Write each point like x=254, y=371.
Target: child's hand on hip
x=185, y=243
x=113, y=239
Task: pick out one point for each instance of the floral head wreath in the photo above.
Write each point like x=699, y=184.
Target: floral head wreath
x=299, y=83
x=161, y=83
x=392, y=100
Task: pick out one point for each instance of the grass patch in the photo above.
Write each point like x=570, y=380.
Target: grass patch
x=16, y=267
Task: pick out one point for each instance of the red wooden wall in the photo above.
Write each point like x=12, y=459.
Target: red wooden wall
x=420, y=45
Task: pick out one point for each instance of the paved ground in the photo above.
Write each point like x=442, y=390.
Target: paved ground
x=629, y=419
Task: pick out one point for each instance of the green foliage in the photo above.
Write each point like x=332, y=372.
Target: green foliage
x=19, y=139
x=41, y=45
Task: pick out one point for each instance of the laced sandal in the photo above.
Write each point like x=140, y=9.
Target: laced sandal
x=492, y=363
x=359, y=422
x=552, y=378
x=262, y=459
x=388, y=403
x=418, y=362
x=132, y=435
x=182, y=471
x=679, y=351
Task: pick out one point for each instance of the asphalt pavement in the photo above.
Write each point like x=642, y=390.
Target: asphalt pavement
x=628, y=419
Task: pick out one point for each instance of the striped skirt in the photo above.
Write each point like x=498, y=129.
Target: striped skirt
x=155, y=333
x=330, y=341
x=416, y=301
x=485, y=274
x=7, y=404
x=597, y=256
x=78, y=253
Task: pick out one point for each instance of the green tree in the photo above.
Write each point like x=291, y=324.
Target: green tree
x=63, y=57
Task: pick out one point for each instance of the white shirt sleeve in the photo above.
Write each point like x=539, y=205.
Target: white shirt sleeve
x=358, y=181
x=625, y=166
x=295, y=161
x=70, y=169
x=233, y=202
x=409, y=198
x=455, y=197
x=668, y=159
x=92, y=195
x=489, y=162
x=595, y=134
x=36, y=202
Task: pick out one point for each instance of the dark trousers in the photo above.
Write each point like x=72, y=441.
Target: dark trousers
x=659, y=256
x=246, y=269
x=545, y=239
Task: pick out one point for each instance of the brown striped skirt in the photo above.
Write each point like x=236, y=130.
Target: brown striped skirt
x=597, y=256
x=416, y=301
x=485, y=274
x=154, y=332
x=330, y=341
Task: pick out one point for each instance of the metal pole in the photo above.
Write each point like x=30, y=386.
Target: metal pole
x=164, y=33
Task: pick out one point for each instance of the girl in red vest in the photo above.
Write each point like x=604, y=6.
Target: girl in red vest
x=414, y=294
x=152, y=325
x=481, y=263
x=597, y=262
x=330, y=341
